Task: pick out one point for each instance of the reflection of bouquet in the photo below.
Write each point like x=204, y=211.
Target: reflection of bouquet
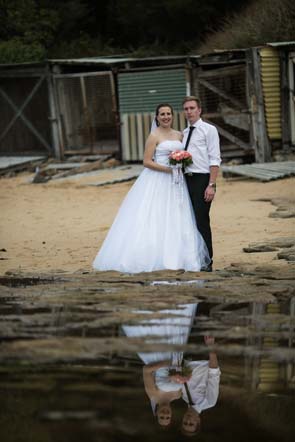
x=181, y=374
x=183, y=370
x=180, y=157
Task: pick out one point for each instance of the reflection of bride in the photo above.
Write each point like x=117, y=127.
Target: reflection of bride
x=173, y=328
x=198, y=385
x=155, y=227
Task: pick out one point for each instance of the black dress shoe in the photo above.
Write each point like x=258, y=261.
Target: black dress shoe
x=207, y=269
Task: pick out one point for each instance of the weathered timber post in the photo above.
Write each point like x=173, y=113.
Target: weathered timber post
x=53, y=116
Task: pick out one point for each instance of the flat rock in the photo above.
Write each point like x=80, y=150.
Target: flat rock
x=283, y=213
x=288, y=254
x=285, y=207
x=74, y=317
x=255, y=248
x=270, y=245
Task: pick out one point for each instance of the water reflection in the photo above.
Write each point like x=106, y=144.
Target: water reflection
x=123, y=396
x=168, y=376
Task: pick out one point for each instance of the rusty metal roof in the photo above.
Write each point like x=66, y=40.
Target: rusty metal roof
x=281, y=44
x=118, y=59
x=262, y=171
x=102, y=61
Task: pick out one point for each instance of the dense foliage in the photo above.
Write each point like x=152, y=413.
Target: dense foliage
x=262, y=22
x=31, y=30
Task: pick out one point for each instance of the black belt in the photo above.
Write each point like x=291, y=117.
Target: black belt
x=196, y=173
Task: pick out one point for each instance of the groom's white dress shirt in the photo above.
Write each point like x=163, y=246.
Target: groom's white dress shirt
x=203, y=385
x=203, y=146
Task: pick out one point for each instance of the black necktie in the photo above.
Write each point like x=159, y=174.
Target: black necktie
x=189, y=137
x=190, y=401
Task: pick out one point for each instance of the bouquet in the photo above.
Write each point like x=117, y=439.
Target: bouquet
x=179, y=160
x=180, y=157
x=181, y=372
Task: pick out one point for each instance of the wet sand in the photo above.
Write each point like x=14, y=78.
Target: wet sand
x=59, y=227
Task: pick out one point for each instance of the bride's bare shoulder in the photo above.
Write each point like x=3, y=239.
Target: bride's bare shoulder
x=153, y=137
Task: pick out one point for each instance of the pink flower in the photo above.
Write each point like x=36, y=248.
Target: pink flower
x=180, y=157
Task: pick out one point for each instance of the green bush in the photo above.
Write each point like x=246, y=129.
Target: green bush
x=15, y=51
x=262, y=22
x=83, y=46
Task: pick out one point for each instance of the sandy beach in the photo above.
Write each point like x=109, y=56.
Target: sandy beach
x=59, y=227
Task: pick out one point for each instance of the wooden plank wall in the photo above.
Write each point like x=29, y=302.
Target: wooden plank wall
x=20, y=138
x=223, y=94
x=135, y=128
x=87, y=110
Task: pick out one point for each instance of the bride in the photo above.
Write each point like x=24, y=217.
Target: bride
x=155, y=227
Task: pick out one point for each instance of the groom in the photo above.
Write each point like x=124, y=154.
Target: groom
x=202, y=141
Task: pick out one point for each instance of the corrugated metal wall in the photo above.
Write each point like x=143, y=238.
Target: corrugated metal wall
x=143, y=91
x=271, y=85
x=139, y=95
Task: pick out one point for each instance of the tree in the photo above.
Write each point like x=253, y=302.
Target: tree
x=28, y=28
x=262, y=22
x=34, y=29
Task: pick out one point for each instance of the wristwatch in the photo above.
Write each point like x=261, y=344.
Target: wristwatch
x=212, y=185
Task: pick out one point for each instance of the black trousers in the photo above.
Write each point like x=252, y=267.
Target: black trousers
x=197, y=184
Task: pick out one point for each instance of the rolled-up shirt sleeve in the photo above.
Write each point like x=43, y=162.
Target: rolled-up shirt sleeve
x=213, y=145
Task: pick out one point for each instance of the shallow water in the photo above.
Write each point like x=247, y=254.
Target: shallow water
x=72, y=358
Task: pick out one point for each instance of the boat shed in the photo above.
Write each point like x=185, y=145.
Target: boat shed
x=105, y=104
x=62, y=107
x=249, y=96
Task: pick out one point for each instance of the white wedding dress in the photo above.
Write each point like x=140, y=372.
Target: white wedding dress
x=155, y=228
x=172, y=329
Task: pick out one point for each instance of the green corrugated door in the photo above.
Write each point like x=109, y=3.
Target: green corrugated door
x=143, y=91
x=139, y=95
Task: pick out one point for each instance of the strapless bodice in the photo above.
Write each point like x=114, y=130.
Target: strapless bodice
x=164, y=149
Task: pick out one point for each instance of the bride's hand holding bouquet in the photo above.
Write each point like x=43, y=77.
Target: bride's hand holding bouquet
x=179, y=160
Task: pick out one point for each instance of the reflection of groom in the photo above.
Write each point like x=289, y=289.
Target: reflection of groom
x=200, y=389
x=202, y=141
